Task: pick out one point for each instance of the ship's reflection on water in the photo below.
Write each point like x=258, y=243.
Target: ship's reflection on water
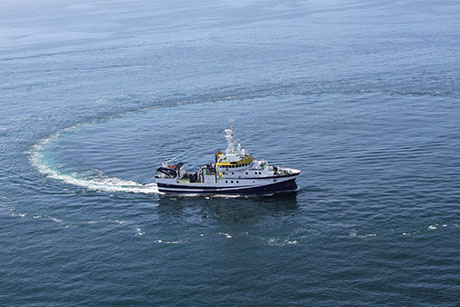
x=228, y=210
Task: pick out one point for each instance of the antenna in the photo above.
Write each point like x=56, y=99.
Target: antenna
x=172, y=159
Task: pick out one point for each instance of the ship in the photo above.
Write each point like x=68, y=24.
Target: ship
x=233, y=172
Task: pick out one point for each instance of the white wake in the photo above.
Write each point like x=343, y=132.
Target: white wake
x=100, y=182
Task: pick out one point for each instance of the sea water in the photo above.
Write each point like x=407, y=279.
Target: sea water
x=362, y=96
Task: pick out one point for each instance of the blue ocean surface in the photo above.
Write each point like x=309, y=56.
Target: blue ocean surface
x=362, y=96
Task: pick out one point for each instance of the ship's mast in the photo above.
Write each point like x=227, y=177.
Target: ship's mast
x=229, y=137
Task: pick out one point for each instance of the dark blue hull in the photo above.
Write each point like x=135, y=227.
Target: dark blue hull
x=285, y=186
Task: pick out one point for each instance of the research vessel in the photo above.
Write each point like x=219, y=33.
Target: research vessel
x=233, y=172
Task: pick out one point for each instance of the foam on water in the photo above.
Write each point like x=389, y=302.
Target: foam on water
x=280, y=242
x=120, y=222
x=139, y=231
x=18, y=214
x=55, y=220
x=175, y=242
x=101, y=182
x=354, y=233
x=228, y=236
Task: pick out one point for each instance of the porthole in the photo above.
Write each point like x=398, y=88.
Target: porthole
x=232, y=181
x=226, y=181
x=246, y=173
x=233, y=173
x=237, y=181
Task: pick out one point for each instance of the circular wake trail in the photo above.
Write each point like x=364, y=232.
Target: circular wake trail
x=101, y=182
